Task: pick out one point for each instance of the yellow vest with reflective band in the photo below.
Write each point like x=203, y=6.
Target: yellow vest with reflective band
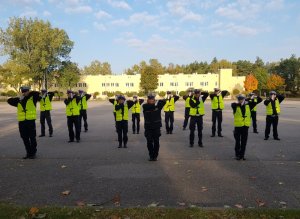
x=29, y=113
x=215, y=102
x=119, y=116
x=83, y=103
x=187, y=102
x=136, y=108
x=170, y=105
x=270, y=109
x=255, y=108
x=45, y=104
x=200, y=107
x=239, y=120
x=115, y=103
x=72, y=109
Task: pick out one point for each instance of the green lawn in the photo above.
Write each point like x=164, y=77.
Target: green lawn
x=16, y=212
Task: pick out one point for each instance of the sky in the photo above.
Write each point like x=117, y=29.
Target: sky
x=124, y=33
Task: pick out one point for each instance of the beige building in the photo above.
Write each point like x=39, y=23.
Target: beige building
x=179, y=82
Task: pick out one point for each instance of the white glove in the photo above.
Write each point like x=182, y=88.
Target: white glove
x=125, y=102
x=71, y=95
x=21, y=97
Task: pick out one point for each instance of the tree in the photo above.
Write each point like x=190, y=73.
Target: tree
x=149, y=79
x=97, y=68
x=243, y=67
x=250, y=83
x=68, y=76
x=215, y=65
x=35, y=44
x=157, y=66
x=275, y=82
x=162, y=93
x=261, y=74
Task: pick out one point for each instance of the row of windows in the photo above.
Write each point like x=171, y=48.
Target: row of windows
x=110, y=84
x=81, y=85
x=187, y=84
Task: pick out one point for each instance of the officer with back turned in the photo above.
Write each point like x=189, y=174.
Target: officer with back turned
x=26, y=115
x=73, y=113
x=197, y=112
x=152, y=116
x=45, y=107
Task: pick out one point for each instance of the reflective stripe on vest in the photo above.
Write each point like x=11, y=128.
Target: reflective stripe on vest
x=83, y=103
x=270, y=109
x=115, y=103
x=136, y=108
x=239, y=120
x=170, y=105
x=45, y=104
x=72, y=109
x=199, y=110
x=215, y=102
x=119, y=116
x=29, y=113
x=187, y=102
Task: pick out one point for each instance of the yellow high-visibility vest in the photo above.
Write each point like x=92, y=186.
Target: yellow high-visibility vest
x=187, y=102
x=269, y=108
x=200, y=108
x=239, y=120
x=136, y=108
x=215, y=102
x=255, y=108
x=45, y=104
x=119, y=116
x=170, y=105
x=83, y=103
x=72, y=109
x=115, y=103
x=29, y=113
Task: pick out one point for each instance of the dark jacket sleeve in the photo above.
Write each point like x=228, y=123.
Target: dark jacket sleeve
x=78, y=99
x=176, y=98
x=234, y=105
x=280, y=98
x=88, y=96
x=35, y=95
x=51, y=95
x=13, y=101
x=161, y=103
x=259, y=100
x=119, y=106
x=67, y=101
x=130, y=103
x=205, y=95
x=267, y=101
x=252, y=104
x=111, y=100
x=194, y=104
x=185, y=97
x=212, y=95
x=141, y=101
x=223, y=93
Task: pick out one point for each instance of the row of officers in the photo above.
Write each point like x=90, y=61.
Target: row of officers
x=244, y=111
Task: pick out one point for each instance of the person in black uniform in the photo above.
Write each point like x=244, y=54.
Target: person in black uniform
x=152, y=123
x=242, y=121
x=26, y=114
x=253, y=98
x=83, y=109
x=45, y=100
x=169, y=109
x=197, y=112
x=187, y=108
x=136, y=112
x=122, y=108
x=73, y=113
x=273, y=110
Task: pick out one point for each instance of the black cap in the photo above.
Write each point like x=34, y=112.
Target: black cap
x=134, y=96
x=121, y=97
x=217, y=89
x=151, y=96
x=24, y=89
x=272, y=92
x=69, y=92
x=251, y=94
x=197, y=91
x=168, y=92
x=44, y=90
x=240, y=97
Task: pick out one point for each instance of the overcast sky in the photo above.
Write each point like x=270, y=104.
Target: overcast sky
x=124, y=33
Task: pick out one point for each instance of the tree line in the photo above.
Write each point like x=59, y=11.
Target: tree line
x=40, y=55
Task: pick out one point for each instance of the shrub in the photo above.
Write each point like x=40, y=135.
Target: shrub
x=182, y=93
x=11, y=93
x=95, y=94
x=162, y=93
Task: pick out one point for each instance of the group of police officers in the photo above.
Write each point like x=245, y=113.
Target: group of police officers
x=244, y=111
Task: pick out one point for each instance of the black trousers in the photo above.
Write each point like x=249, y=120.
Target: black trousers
x=28, y=134
x=169, y=120
x=196, y=120
x=271, y=120
x=186, y=117
x=122, y=129
x=217, y=116
x=83, y=115
x=241, y=136
x=45, y=115
x=254, y=124
x=115, y=121
x=73, y=121
x=136, y=122
x=152, y=136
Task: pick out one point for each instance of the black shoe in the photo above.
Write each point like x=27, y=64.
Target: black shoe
x=237, y=158
x=138, y=133
x=50, y=135
x=32, y=157
x=220, y=135
x=154, y=159
x=70, y=141
x=168, y=132
x=120, y=146
x=278, y=139
x=25, y=157
x=133, y=132
x=212, y=135
x=184, y=128
x=78, y=140
x=85, y=130
x=255, y=131
x=191, y=145
x=125, y=146
x=150, y=159
x=41, y=135
x=171, y=132
x=200, y=145
x=243, y=158
x=266, y=138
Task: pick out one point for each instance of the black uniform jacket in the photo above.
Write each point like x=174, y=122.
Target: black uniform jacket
x=152, y=114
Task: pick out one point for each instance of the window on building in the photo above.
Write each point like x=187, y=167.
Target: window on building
x=131, y=84
x=103, y=93
x=201, y=83
x=112, y=84
x=216, y=84
x=107, y=84
x=161, y=84
x=127, y=84
x=84, y=84
x=79, y=84
x=117, y=84
x=103, y=84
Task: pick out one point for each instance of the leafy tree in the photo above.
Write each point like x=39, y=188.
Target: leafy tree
x=68, y=75
x=95, y=94
x=261, y=74
x=250, y=83
x=97, y=68
x=182, y=93
x=35, y=44
x=149, y=79
x=157, y=66
x=215, y=65
x=275, y=82
x=259, y=63
x=243, y=67
x=162, y=93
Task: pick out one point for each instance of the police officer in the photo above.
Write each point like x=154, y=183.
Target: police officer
x=217, y=105
x=272, y=104
x=73, y=113
x=242, y=121
x=187, y=109
x=169, y=109
x=122, y=108
x=83, y=109
x=45, y=107
x=197, y=112
x=114, y=101
x=136, y=111
x=26, y=115
x=253, y=98
x=152, y=123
